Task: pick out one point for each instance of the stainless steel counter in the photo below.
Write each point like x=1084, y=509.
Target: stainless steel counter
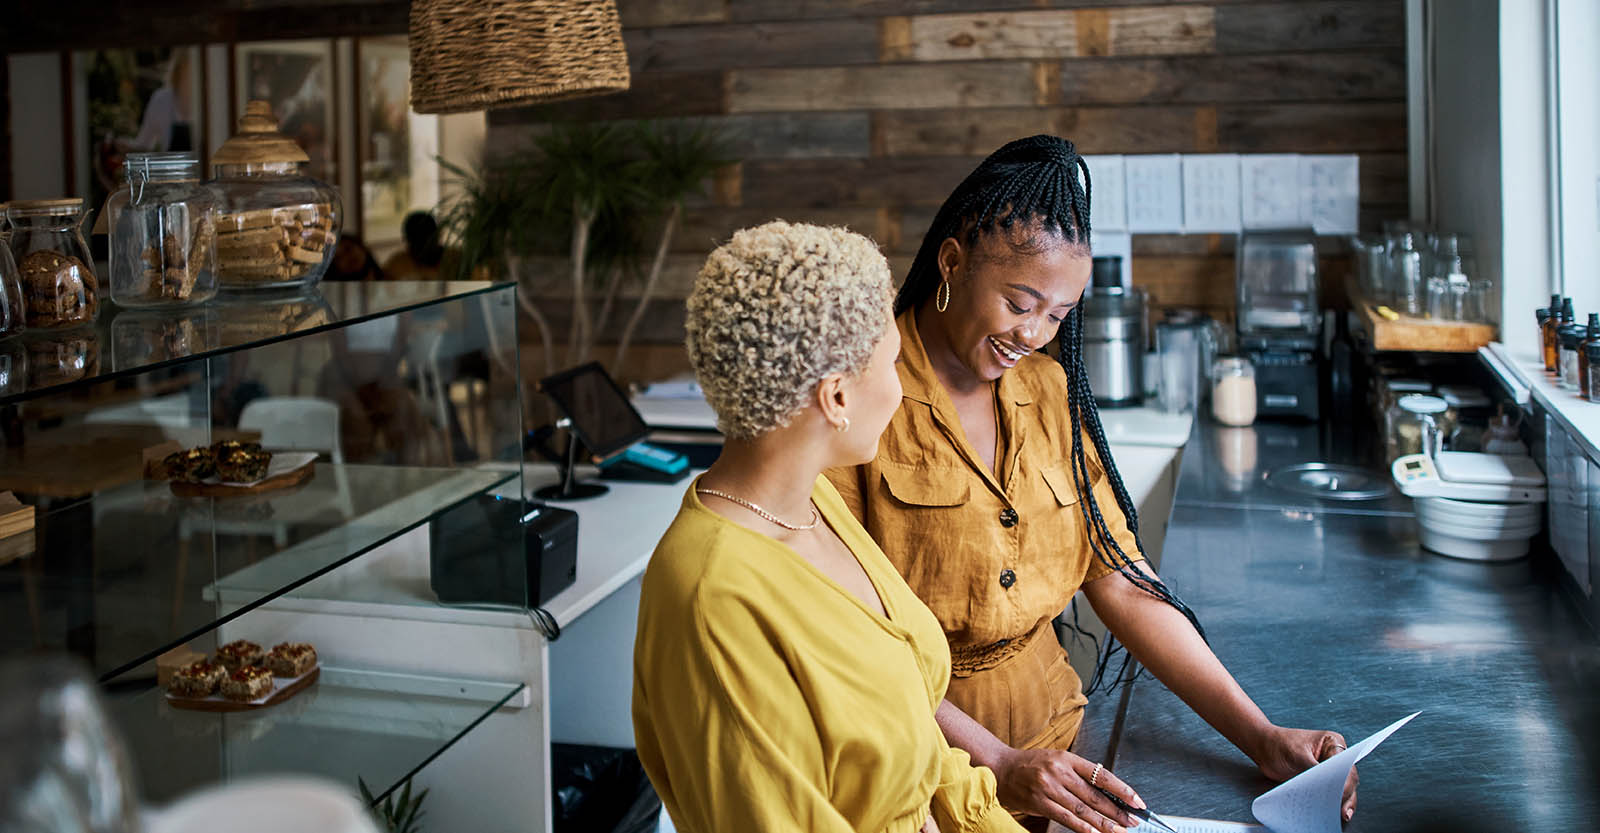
x=1330, y=615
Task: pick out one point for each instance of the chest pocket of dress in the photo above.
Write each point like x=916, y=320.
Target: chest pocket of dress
x=922, y=486
x=1062, y=483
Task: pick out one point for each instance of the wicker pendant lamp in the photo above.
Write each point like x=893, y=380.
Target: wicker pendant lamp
x=488, y=54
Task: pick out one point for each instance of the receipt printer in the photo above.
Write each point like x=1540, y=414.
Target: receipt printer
x=494, y=550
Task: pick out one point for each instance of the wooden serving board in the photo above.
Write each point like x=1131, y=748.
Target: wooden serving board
x=282, y=481
x=218, y=703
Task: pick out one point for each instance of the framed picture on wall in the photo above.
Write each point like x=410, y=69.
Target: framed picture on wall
x=298, y=78
x=130, y=100
x=396, y=148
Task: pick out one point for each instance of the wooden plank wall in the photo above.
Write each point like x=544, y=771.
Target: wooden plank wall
x=867, y=112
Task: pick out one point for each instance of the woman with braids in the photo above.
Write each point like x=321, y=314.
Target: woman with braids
x=995, y=495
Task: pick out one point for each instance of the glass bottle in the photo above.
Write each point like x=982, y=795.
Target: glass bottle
x=1591, y=336
x=1406, y=269
x=163, y=242
x=1592, y=352
x=1233, y=391
x=1542, y=315
x=1571, y=336
x=1548, y=334
x=59, y=287
x=13, y=315
x=276, y=226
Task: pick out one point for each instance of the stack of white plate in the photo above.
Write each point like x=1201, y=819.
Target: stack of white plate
x=1477, y=530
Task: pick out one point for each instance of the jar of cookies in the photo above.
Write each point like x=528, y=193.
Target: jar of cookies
x=163, y=243
x=275, y=225
x=59, y=287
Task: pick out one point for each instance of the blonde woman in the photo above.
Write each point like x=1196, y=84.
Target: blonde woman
x=785, y=677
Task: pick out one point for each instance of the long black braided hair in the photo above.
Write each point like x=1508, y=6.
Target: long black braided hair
x=1033, y=184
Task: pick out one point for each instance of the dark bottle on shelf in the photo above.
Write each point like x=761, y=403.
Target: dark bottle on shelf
x=1591, y=336
x=1552, y=344
x=1541, y=314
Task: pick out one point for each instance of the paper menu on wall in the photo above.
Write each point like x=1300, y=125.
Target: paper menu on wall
x=1307, y=803
x=1270, y=191
x=1211, y=192
x=1330, y=193
x=1154, y=193
x=1108, y=208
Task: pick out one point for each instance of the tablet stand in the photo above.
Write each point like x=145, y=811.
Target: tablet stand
x=569, y=488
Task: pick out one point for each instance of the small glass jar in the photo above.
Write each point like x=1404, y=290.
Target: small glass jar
x=1571, y=336
x=1593, y=352
x=59, y=287
x=142, y=337
x=163, y=241
x=276, y=226
x=13, y=314
x=1233, y=391
x=1418, y=424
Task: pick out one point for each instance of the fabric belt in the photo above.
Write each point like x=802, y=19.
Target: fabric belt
x=967, y=660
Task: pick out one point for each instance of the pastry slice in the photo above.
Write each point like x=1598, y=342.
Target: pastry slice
x=291, y=659
x=197, y=679
x=251, y=682
x=239, y=654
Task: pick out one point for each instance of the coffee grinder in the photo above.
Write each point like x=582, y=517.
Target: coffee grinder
x=1280, y=321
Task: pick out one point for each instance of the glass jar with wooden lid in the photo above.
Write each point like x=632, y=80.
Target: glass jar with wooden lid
x=59, y=286
x=276, y=226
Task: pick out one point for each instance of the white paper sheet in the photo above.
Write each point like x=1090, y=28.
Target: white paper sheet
x=1309, y=802
x=1211, y=193
x=1155, y=193
x=1108, y=203
x=1182, y=825
x=1270, y=191
x=1330, y=193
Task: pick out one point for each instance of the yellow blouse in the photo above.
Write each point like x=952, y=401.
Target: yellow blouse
x=995, y=557
x=768, y=697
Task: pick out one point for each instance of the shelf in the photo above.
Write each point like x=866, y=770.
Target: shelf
x=1422, y=335
x=1523, y=373
x=377, y=726
x=125, y=574
x=124, y=343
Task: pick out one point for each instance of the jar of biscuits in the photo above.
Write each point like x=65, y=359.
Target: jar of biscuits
x=275, y=225
x=163, y=243
x=59, y=287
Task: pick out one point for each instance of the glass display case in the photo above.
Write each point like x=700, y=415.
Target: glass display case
x=403, y=398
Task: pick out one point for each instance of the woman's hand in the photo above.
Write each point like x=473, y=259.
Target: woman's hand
x=930, y=826
x=1285, y=753
x=1055, y=784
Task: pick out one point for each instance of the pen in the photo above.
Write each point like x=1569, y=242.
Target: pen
x=1142, y=815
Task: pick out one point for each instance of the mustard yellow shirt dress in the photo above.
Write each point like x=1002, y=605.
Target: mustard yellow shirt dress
x=768, y=698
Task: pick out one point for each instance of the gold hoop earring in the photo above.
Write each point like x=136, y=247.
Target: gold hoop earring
x=843, y=428
x=941, y=298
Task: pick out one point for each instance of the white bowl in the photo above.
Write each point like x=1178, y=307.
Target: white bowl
x=1467, y=548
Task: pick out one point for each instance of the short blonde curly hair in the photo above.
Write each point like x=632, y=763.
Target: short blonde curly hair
x=776, y=309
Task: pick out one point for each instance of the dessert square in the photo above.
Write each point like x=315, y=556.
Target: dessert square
x=291, y=659
x=238, y=654
x=197, y=679
x=248, y=683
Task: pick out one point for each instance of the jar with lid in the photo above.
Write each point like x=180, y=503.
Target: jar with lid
x=13, y=315
x=163, y=242
x=59, y=287
x=1593, y=352
x=1233, y=391
x=1418, y=424
x=275, y=225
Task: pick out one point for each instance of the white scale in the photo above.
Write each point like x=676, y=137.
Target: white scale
x=1465, y=475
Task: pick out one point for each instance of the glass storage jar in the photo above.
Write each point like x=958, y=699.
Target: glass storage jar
x=1233, y=391
x=1418, y=424
x=59, y=287
x=13, y=315
x=276, y=226
x=163, y=242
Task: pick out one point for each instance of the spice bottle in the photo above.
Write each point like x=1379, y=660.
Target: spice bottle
x=1591, y=336
x=1571, y=336
x=1548, y=333
x=1593, y=354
